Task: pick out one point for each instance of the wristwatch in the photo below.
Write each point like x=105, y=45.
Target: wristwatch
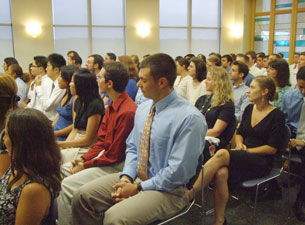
x=139, y=187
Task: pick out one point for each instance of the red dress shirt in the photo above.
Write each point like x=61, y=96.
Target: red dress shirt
x=112, y=134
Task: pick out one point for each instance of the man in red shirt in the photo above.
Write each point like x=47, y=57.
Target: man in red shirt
x=108, y=154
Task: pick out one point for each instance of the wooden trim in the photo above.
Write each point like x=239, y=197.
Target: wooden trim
x=252, y=25
x=283, y=11
x=301, y=10
x=271, y=27
x=262, y=14
x=293, y=30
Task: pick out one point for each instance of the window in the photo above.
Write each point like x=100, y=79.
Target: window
x=89, y=27
x=193, y=25
x=6, y=38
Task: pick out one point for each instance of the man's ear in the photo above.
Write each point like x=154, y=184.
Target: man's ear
x=110, y=84
x=57, y=70
x=163, y=82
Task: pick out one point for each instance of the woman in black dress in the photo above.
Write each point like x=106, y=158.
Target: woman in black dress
x=218, y=109
x=257, y=140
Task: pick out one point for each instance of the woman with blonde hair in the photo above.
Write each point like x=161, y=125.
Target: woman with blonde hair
x=258, y=138
x=8, y=100
x=218, y=108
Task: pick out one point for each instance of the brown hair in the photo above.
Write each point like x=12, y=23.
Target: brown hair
x=36, y=154
x=8, y=89
x=131, y=66
x=265, y=82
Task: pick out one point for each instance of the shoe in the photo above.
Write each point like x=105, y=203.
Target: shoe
x=225, y=222
x=299, y=210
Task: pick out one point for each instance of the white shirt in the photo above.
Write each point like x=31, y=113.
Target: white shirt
x=190, y=90
x=293, y=68
x=255, y=71
x=51, y=96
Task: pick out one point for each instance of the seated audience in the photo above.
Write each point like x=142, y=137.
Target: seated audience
x=29, y=186
x=74, y=59
x=237, y=75
x=292, y=103
x=63, y=122
x=151, y=186
x=38, y=69
x=258, y=138
x=298, y=147
x=95, y=63
x=278, y=70
x=48, y=91
x=131, y=87
x=89, y=110
x=213, y=60
x=8, y=101
x=108, y=154
x=226, y=62
x=193, y=88
x=293, y=68
x=7, y=62
x=252, y=60
x=218, y=108
x=182, y=73
x=245, y=59
x=110, y=57
x=16, y=72
x=202, y=56
x=136, y=60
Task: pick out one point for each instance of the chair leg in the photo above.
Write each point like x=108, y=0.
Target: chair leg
x=255, y=202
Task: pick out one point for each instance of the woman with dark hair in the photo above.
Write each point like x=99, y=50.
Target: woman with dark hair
x=258, y=138
x=9, y=61
x=89, y=110
x=278, y=70
x=182, y=74
x=32, y=182
x=63, y=122
x=195, y=87
x=8, y=100
x=202, y=56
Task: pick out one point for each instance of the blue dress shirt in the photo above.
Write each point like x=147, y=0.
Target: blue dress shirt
x=22, y=90
x=292, y=103
x=248, y=79
x=177, y=139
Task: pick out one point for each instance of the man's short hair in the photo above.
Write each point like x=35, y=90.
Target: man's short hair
x=78, y=60
x=56, y=60
x=10, y=61
x=246, y=58
x=16, y=69
x=111, y=55
x=41, y=61
x=98, y=59
x=72, y=52
x=161, y=65
x=242, y=68
x=302, y=53
x=252, y=54
x=228, y=57
x=117, y=72
x=301, y=73
x=260, y=55
x=297, y=53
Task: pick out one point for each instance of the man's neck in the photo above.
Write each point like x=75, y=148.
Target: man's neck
x=113, y=95
x=237, y=82
x=53, y=76
x=163, y=94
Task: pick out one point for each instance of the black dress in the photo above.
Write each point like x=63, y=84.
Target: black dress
x=225, y=112
x=269, y=131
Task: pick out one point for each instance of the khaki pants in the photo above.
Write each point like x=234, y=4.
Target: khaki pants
x=92, y=204
x=72, y=182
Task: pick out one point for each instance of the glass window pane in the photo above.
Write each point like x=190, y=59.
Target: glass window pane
x=171, y=38
x=300, y=35
x=6, y=44
x=70, y=12
x=205, y=13
x=5, y=12
x=261, y=37
x=108, y=40
x=105, y=12
x=173, y=12
x=283, y=4
x=72, y=38
x=263, y=5
x=205, y=41
x=301, y=3
x=282, y=34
